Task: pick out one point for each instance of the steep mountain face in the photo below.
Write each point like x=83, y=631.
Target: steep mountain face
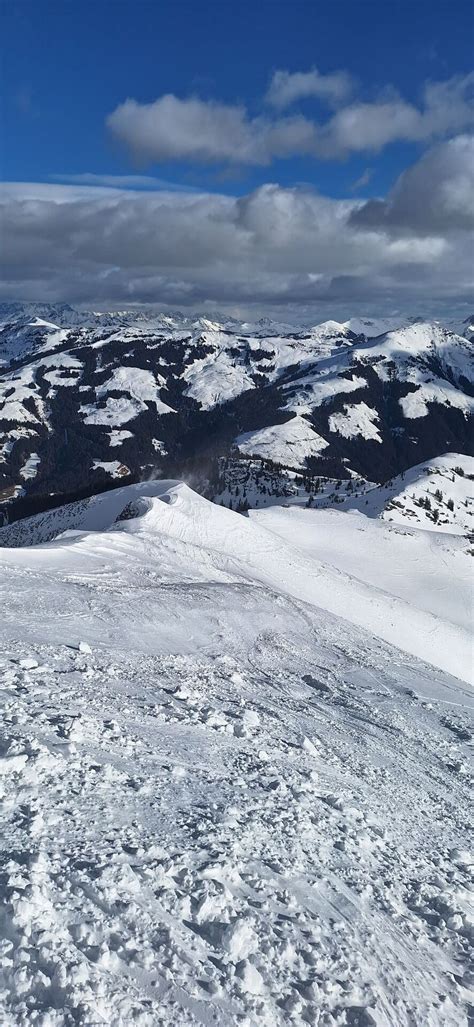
x=88, y=398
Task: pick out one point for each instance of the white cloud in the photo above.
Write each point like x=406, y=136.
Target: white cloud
x=206, y=132
x=195, y=130
x=446, y=108
x=288, y=87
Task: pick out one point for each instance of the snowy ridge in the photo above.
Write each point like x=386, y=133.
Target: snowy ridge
x=436, y=495
x=178, y=514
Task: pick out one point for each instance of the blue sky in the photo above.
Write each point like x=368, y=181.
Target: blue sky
x=68, y=65
x=68, y=69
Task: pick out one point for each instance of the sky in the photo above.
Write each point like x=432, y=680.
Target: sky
x=284, y=158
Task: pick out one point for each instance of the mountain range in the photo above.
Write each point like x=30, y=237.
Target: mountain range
x=242, y=411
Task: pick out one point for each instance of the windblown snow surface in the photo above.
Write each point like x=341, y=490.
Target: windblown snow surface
x=226, y=801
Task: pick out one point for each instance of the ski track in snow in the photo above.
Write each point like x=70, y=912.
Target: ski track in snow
x=221, y=804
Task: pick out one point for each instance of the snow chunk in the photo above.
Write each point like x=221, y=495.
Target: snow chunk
x=13, y=764
x=310, y=748
x=252, y=980
x=462, y=857
x=239, y=940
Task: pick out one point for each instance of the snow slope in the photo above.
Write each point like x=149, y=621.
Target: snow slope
x=217, y=377
x=238, y=542
x=427, y=570
x=222, y=804
x=447, y=482
x=356, y=419
x=288, y=444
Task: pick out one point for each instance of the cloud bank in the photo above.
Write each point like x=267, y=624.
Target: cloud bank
x=290, y=249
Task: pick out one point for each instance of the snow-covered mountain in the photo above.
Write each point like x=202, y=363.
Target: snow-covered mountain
x=235, y=767
x=437, y=495
x=86, y=398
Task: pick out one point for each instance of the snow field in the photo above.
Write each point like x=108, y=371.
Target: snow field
x=223, y=804
x=270, y=836
x=289, y=443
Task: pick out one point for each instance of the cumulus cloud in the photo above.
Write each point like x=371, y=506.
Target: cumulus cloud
x=206, y=132
x=436, y=195
x=446, y=108
x=286, y=87
x=195, y=130
x=273, y=248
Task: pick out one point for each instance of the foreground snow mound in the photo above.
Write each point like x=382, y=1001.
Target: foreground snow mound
x=223, y=804
x=96, y=513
